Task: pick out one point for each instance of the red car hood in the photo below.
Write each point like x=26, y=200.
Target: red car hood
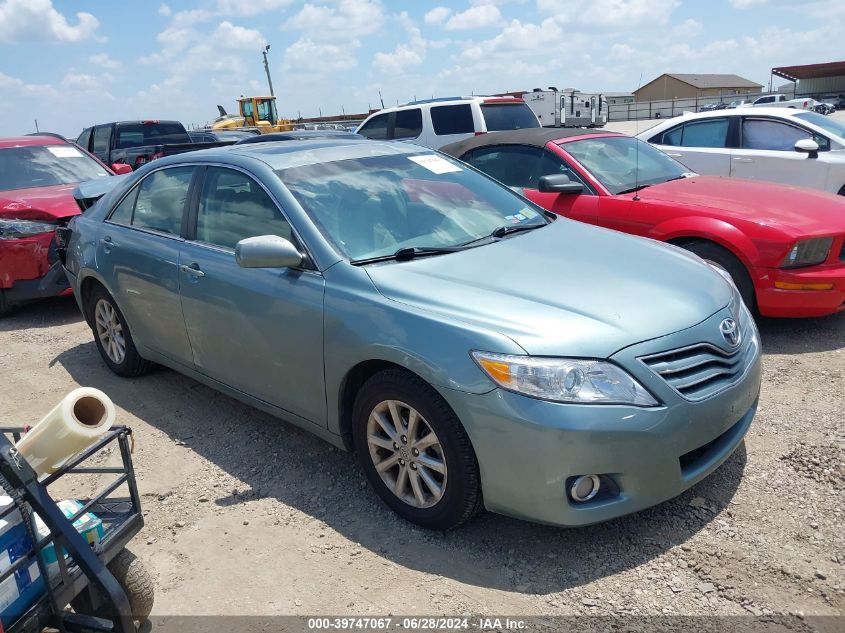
x=41, y=203
x=797, y=209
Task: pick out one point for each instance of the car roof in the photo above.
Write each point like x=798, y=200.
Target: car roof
x=20, y=141
x=286, y=154
x=296, y=135
x=537, y=137
x=439, y=101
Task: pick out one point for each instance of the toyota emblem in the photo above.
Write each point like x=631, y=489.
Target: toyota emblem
x=730, y=332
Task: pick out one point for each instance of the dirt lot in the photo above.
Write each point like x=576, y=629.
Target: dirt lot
x=246, y=514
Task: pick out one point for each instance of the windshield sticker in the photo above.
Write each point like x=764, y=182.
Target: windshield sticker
x=435, y=164
x=64, y=151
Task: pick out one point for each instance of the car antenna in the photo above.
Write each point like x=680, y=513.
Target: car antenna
x=637, y=147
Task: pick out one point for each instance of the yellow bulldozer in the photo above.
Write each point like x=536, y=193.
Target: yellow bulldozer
x=254, y=112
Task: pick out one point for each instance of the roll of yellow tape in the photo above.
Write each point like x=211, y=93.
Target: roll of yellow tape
x=82, y=416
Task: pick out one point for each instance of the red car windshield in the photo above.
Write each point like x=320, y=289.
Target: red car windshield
x=33, y=166
x=623, y=164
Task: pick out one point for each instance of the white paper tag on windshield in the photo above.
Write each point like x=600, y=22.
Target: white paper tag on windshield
x=435, y=164
x=63, y=151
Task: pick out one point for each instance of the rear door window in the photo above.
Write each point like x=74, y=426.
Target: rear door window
x=161, y=200
x=375, y=128
x=452, y=119
x=102, y=140
x=508, y=116
x=153, y=133
x=408, y=124
x=707, y=133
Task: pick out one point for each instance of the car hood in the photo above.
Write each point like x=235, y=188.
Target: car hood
x=566, y=289
x=798, y=210
x=41, y=203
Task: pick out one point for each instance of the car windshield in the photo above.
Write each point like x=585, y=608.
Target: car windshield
x=376, y=205
x=508, y=116
x=33, y=166
x=623, y=163
x=833, y=126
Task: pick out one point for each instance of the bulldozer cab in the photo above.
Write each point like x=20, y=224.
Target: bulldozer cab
x=259, y=110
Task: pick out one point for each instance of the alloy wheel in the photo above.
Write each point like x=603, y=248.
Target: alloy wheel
x=110, y=331
x=406, y=453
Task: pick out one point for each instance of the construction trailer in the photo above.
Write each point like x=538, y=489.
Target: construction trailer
x=567, y=108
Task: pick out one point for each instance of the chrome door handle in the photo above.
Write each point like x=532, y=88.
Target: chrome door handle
x=107, y=244
x=193, y=269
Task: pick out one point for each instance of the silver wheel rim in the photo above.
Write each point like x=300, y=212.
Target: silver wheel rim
x=406, y=453
x=110, y=331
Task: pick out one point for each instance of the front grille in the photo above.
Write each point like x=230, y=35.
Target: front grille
x=703, y=370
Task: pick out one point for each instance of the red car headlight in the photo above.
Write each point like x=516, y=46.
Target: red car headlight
x=808, y=252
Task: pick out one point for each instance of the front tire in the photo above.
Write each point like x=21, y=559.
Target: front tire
x=112, y=335
x=722, y=257
x=415, y=452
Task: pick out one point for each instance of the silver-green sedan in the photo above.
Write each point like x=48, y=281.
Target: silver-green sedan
x=473, y=350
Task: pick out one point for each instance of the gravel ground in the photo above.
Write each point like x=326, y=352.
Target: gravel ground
x=249, y=515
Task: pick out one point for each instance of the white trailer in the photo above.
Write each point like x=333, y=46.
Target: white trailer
x=567, y=108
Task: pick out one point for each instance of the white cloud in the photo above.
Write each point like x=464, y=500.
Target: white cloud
x=340, y=21
x=232, y=37
x=603, y=14
x=687, y=29
x=81, y=81
x=744, y=4
x=249, y=7
x=306, y=56
x=517, y=38
x=38, y=20
x=164, y=10
x=437, y=15
x=104, y=60
x=406, y=54
x=477, y=17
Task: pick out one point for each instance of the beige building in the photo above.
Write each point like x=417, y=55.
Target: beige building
x=688, y=86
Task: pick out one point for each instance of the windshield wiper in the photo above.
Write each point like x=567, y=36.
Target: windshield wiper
x=633, y=189
x=411, y=252
x=508, y=229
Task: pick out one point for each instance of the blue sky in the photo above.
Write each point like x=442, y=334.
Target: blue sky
x=70, y=64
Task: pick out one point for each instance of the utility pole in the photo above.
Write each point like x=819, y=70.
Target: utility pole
x=267, y=70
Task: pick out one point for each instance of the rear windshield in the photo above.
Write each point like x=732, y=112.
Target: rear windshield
x=508, y=116
x=138, y=134
x=46, y=166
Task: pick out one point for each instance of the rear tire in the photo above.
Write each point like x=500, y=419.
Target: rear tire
x=441, y=486
x=5, y=306
x=112, y=336
x=722, y=257
x=136, y=581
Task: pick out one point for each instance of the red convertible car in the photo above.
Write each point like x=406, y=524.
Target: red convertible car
x=783, y=246
x=37, y=177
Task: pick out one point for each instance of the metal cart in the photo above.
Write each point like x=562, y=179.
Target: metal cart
x=104, y=583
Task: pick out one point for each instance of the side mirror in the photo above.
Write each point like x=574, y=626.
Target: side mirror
x=121, y=168
x=559, y=183
x=807, y=146
x=267, y=251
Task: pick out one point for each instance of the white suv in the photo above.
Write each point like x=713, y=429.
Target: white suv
x=438, y=122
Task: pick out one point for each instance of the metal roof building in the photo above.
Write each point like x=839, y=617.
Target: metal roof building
x=815, y=79
x=685, y=85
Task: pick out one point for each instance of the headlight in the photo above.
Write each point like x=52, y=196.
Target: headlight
x=808, y=252
x=14, y=229
x=574, y=380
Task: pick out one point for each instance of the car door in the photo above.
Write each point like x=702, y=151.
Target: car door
x=767, y=152
x=138, y=256
x=101, y=142
x=702, y=145
x=257, y=330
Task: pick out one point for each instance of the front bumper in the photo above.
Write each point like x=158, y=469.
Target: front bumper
x=782, y=301
x=529, y=449
x=30, y=269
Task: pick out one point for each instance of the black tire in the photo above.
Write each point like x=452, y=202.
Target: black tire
x=722, y=257
x=132, y=364
x=136, y=581
x=5, y=306
x=461, y=498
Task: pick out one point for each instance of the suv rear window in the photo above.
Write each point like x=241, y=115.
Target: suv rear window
x=452, y=119
x=138, y=134
x=508, y=116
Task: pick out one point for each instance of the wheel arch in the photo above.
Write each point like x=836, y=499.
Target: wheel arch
x=684, y=230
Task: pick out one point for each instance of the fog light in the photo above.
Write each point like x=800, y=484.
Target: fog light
x=584, y=488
